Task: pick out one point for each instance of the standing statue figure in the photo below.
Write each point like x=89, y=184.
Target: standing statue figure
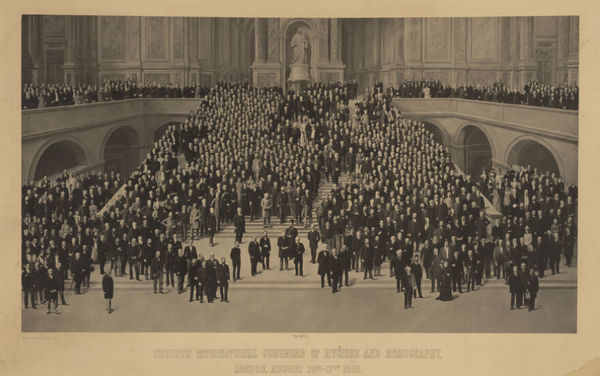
x=299, y=48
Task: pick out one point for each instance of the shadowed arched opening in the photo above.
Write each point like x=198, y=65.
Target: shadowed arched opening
x=158, y=133
x=121, y=151
x=531, y=153
x=477, y=150
x=59, y=156
x=438, y=134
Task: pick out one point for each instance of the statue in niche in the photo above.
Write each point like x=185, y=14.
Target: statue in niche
x=299, y=48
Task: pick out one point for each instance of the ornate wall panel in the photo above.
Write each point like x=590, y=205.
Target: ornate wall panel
x=389, y=38
x=162, y=78
x=413, y=38
x=460, y=38
x=55, y=26
x=273, y=37
x=157, y=38
x=111, y=38
x=484, y=39
x=132, y=27
x=482, y=77
x=178, y=38
x=205, y=38
x=437, y=39
x=443, y=76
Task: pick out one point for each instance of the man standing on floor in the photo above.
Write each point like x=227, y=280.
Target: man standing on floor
x=133, y=254
x=108, y=289
x=410, y=286
x=266, y=204
x=236, y=260
x=156, y=269
x=283, y=246
x=254, y=253
x=193, y=279
x=223, y=279
x=211, y=226
x=533, y=285
x=60, y=280
x=239, y=224
x=417, y=272
x=323, y=270
x=298, y=257
x=51, y=291
x=346, y=263
x=265, y=250
x=313, y=241
x=28, y=290
x=514, y=285
x=181, y=270
x=335, y=272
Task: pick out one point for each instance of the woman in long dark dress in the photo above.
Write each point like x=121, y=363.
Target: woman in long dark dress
x=446, y=283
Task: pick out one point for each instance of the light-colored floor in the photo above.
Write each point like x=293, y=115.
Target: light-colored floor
x=278, y=301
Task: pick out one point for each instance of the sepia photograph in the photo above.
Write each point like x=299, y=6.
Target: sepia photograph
x=323, y=175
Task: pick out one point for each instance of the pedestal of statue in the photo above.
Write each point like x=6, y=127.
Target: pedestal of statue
x=299, y=77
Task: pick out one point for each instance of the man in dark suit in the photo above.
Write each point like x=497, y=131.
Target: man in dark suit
x=533, y=286
x=283, y=246
x=323, y=270
x=60, y=274
x=193, y=279
x=211, y=225
x=190, y=253
x=223, y=279
x=313, y=241
x=417, y=271
x=254, y=253
x=27, y=278
x=346, y=263
x=367, y=253
x=335, y=271
x=108, y=289
x=239, y=224
x=180, y=270
x=298, y=257
x=211, y=280
x=51, y=285
x=156, y=270
x=514, y=285
x=265, y=250
x=236, y=260
x=133, y=255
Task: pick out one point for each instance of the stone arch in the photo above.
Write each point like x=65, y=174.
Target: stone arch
x=159, y=128
x=120, y=150
x=57, y=155
x=531, y=150
x=478, y=148
x=438, y=130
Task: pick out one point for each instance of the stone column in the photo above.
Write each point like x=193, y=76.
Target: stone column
x=527, y=64
x=186, y=50
x=573, y=61
x=260, y=37
x=71, y=52
x=266, y=70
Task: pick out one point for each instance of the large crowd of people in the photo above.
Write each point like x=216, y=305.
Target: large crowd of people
x=534, y=93
x=53, y=95
x=257, y=153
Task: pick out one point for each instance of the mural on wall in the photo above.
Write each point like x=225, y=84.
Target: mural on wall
x=157, y=38
x=111, y=38
x=178, y=38
x=133, y=37
x=55, y=26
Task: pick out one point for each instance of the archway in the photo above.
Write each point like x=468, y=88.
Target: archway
x=120, y=151
x=439, y=135
x=158, y=133
x=477, y=150
x=59, y=156
x=528, y=152
x=287, y=30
